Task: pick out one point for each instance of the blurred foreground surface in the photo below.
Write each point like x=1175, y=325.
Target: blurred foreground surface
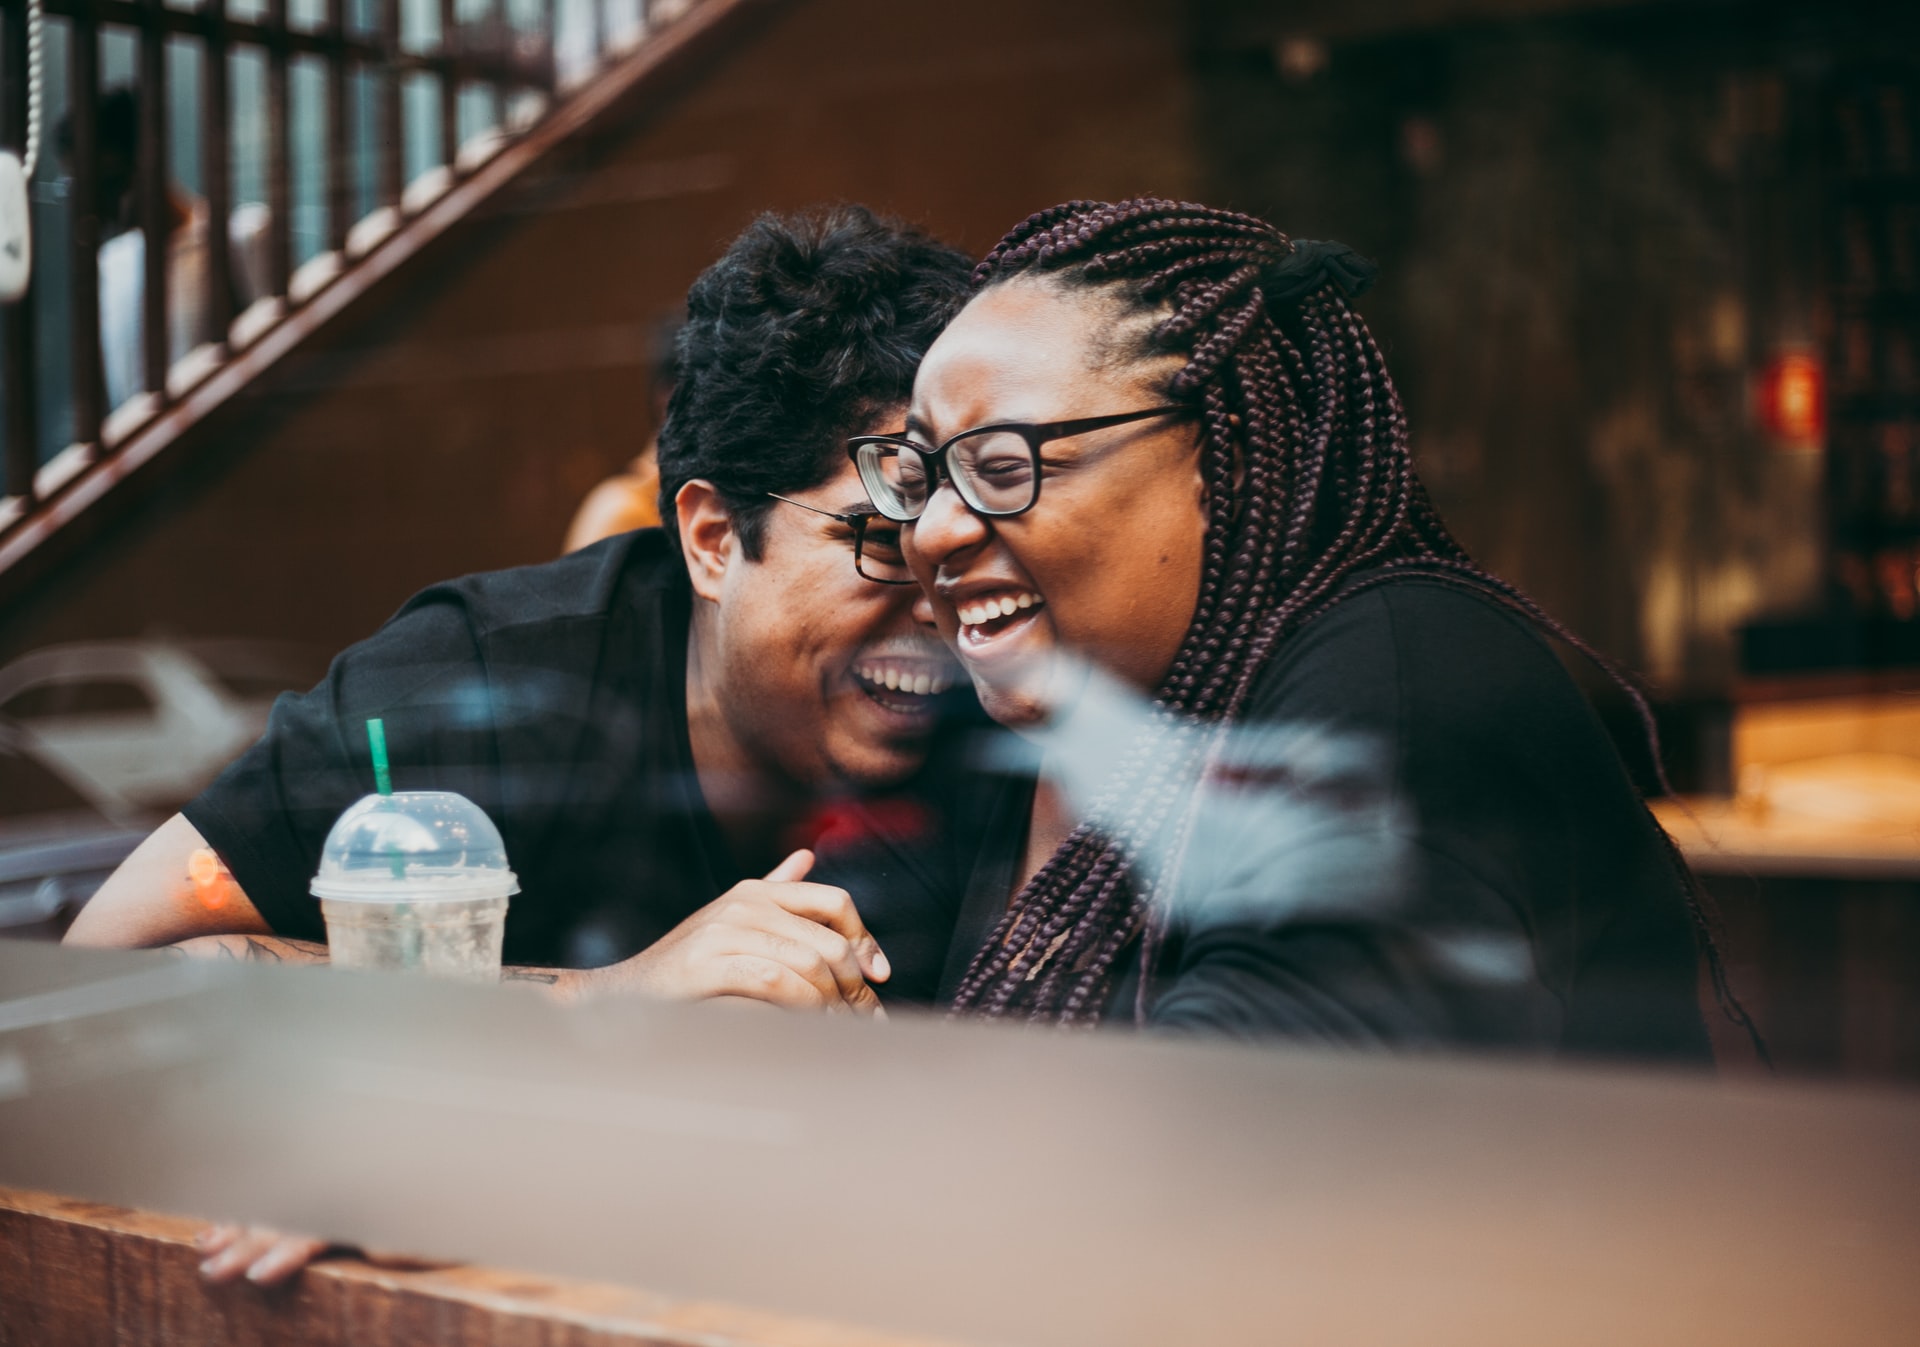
x=965, y=1182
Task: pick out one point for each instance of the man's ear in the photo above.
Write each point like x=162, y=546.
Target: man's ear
x=707, y=538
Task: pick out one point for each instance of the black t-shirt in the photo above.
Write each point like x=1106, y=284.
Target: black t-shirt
x=554, y=697
x=1420, y=834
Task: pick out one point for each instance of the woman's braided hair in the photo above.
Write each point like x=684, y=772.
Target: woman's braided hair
x=1311, y=499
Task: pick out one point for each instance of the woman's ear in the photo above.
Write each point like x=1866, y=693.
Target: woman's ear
x=707, y=537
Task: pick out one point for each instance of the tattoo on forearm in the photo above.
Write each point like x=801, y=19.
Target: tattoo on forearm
x=251, y=949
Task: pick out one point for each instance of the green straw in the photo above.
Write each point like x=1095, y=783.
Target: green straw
x=377, y=741
x=383, y=782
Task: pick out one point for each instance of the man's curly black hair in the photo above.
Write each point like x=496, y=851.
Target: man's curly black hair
x=810, y=326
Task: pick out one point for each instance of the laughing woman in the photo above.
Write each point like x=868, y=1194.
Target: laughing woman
x=1159, y=441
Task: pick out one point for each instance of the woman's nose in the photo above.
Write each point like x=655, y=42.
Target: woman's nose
x=944, y=528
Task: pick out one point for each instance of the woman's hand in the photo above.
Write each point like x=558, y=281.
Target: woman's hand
x=268, y=1258
x=264, y=1257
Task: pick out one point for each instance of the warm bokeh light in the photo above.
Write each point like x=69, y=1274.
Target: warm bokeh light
x=210, y=878
x=1793, y=398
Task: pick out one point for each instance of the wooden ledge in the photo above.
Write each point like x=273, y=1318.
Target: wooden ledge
x=75, y=1272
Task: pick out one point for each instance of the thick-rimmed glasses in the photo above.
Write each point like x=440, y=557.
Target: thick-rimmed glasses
x=996, y=469
x=876, y=552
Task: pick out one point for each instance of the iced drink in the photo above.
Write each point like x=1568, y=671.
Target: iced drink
x=416, y=881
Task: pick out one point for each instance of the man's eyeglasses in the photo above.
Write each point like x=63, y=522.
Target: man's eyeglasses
x=876, y=551
x=996, y=469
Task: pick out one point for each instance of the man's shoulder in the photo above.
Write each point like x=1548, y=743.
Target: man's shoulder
x=628, y=575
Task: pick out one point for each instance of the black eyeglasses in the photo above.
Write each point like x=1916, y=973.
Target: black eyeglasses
x=996, y=469
x=876, y=553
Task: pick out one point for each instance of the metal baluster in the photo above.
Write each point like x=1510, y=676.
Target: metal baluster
x=155, y=194
x=550, y=16
x=339, y=186
x=83, y=109
x=392, y=117
x=216, y=117
x=449, y=86
x=23, y=429
x=279, y=153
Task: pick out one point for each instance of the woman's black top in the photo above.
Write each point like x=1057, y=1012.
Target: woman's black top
x=1420, y=834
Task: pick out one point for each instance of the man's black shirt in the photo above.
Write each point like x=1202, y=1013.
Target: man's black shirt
x=554, y=697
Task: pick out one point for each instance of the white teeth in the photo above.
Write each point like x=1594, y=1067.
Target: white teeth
x=897, y=680
x=1001, y=605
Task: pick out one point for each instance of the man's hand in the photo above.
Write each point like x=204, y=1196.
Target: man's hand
x=777, y=940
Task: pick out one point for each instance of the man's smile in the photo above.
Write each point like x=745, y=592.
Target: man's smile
x=903, y=674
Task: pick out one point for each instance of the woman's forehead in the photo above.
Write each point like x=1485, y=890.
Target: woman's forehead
x=1019, y=351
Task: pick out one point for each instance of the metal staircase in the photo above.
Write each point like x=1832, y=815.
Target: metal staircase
x=376, y=128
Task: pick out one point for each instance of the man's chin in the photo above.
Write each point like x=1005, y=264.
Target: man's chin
x=869, y=768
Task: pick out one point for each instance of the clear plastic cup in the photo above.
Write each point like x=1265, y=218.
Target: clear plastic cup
x=416, y=881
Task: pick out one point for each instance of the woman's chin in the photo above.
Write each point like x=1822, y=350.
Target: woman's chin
x=1032, y=693
x=1014, y=705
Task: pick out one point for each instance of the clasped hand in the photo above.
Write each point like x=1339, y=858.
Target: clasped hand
x=778, y=940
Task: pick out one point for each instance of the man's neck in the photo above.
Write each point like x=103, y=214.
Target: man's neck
x=756, y=808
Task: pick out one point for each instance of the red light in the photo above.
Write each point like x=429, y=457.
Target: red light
x=1793, y=398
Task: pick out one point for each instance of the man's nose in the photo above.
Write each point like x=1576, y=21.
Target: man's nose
x=946, y=528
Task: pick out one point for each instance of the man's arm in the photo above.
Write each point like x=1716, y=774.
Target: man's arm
x=157, y=898
x=165, y=893
x=778, y=939
x=251, y=949
x=564, y=982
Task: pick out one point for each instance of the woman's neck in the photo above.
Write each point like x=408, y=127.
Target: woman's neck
x=1048, y=826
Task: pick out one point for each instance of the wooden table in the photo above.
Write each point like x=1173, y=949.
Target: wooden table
x=1821, y=933
x=75, y=1273
x=1725, y=837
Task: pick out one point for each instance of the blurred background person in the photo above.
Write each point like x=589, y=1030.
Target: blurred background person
x=123, y=252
